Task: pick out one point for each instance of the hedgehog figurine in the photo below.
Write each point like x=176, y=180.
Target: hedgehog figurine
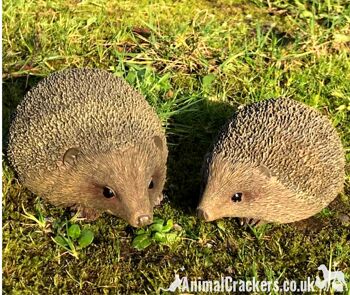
x=85, y=139
x=277, y=160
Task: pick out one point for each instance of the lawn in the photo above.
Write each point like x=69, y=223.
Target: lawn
x=196, y=62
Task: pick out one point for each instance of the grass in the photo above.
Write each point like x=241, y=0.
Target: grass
x=195, y=62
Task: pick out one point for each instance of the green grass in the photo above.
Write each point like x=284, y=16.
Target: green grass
x=195, y=62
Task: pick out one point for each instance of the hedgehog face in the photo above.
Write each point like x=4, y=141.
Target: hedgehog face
x=121, y=190
x=234, y=190
x=127, y=183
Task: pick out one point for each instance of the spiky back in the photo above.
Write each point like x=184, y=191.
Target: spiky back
x=86, y=108
x=298, y=145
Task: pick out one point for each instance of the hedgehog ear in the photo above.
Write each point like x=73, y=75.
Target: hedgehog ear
x=266, y=171
x=71, y=156
x=158, y=142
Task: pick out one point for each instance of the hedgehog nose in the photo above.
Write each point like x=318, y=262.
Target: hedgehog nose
x=202, y=214
x=144, y=220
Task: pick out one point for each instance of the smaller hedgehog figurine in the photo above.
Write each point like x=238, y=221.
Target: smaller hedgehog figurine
x=83, y=138
x=276, y=161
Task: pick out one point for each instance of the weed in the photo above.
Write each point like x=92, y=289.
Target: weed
x=71, y=238
x=158, y=233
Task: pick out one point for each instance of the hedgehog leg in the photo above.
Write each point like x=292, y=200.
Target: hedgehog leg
x=86, y=213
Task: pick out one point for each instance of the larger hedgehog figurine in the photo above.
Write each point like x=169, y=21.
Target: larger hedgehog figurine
x=276, y=161
x=83, y=138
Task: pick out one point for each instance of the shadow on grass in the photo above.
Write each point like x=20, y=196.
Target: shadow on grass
x=190, y=137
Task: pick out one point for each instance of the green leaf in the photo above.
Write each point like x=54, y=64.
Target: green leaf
x=168, y=226
x=300, y=5
x=131, y=77
x=221, y=225
x=306, y=14
x=74, y=231
x=160, y=237
x=91, y=20
x=60, y=241
x=156, y=227
x=171, y=237
x=86, y=238
x=207, y=80
x=140, y=231
x=141, y=242
x=158, y=221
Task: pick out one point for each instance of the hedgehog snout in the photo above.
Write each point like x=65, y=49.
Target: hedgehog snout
x=144, y=220
x=202, y=214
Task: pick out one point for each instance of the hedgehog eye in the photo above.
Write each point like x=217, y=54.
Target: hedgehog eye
x=151, y=184
x=237, y=197
x=108, y=192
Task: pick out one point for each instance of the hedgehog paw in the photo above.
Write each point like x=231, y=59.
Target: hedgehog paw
x=87, y=214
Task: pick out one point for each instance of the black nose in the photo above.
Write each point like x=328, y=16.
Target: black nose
x=144, y=220
x=202, y=214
